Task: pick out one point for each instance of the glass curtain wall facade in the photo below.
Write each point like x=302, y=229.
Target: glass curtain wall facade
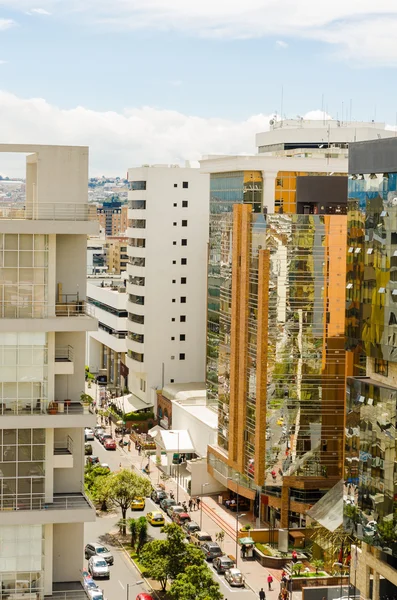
x=21, y=561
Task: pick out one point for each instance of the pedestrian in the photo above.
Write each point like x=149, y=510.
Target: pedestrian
x=262, y=595
x=198, y=503
x=136, y=444
x=139, y=450
x=269, y=582
x=129, y=445
x=190, y=504
x=243, y=551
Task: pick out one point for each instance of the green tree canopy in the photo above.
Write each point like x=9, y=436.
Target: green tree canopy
x=166, y=559
x=196, y=583
x=121, y=487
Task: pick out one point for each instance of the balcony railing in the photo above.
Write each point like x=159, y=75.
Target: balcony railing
x=77, y=501
x=43, y=310
x=46, y=211
x=12, y=407
x=64, y=353
x=63, y=447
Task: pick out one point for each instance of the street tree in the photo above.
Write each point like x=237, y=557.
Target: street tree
x=165, y=559
x=93, y=476
x=121, y=487
x=196, y=583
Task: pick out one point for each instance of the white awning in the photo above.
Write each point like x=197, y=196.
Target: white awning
x=132, y=403
x=173, y=440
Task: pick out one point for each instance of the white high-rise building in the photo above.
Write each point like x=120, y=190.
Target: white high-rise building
x=168, y=234
x=43, y=325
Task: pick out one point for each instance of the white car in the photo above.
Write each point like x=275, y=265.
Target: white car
x=88, y=434
x=234, y=577
x=98, y=567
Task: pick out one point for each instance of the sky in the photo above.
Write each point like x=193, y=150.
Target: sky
x=164, y=81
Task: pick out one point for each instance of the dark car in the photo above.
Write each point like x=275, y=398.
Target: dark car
x=211, y=550
x=94, y=549
x=223, y=563
x=158, y=494
x=87, y=449
x=166, y=503
x=101, y=379
x=190, y=527
x=92, y=460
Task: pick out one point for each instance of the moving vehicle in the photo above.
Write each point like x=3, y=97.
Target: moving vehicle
x=200, y=537
x=280, y=421
x=172, y=510
x=166, y=502
x=88, y=434
x=190, y=527
x=94, y=549
x=158, y=494
x=155, y=518
x=87, y=449
x=98, y=430
x=138, y=504
x=211, y=550
x=104, y=437
x=98, y=567
x=105, y=466
x=92, y=460
x=234, y=577
x=144, y=596
x=223, y=564
x=180, y=518
x=109, y=443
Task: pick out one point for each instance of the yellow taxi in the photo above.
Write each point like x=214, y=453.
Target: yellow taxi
x=155, y=518
x=280, y=421
x=138, y=503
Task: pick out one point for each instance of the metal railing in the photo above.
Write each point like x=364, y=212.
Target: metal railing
x=46, y=211
x=76, y=501
x=43, y=310
x=64, y=446
x=64, y=353
x=12, y=407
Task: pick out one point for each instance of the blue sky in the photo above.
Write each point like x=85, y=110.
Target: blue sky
x=175, y=70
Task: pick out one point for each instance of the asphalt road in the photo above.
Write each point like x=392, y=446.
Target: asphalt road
x=123, y=572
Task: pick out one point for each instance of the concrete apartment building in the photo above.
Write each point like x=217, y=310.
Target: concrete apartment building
x=112, y=216
x=168, y=234
x=275, y=327
x=117, y=257
x=370, y=490
x=42, y=345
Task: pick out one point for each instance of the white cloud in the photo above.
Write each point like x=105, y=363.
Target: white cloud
x=359, y=29
x=3, y=62
x=281, y=44
x=6, y=24
x=40, y=11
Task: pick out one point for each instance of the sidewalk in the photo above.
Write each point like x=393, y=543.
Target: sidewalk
x=213, y=518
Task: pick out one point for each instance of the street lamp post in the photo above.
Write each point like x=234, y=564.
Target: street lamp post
x=132, y=585
x=203, y=485
x=238, y=517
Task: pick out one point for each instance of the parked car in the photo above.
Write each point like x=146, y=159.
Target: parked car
x=98, y=567
x=144, y=596
x=234, y=577
x=88, y=434
x=138, y=504
x=98, y=430
x=155, y=518
x=105, y=466
x=181, y=518
x=92, y=460
x=94, y=549
x=166, y=502
x=109, y=443
x=105, y=436
x=172, y=510
x=190, y=527
x=200, y=537
x=87, y=449
x=211, y=550
x=88, y=582
x=158, y=494
x=223, y=563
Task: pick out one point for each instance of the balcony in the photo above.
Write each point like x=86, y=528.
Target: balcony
x=63, y=316
x=64, y=364
x=63, y=453
x=27, y=413
x=33, y=508
x=45, y=211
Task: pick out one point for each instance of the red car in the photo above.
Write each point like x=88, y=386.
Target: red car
x=109, y=444
x=181, y=518
x=144, y=596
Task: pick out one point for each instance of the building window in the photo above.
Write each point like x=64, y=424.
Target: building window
x=184, y=203
x=142, y=385
x=183, y=261
x=185, y=184
x=174, y=262
x=174, y=300
x=182, y=337
x=173, y=338
x=184, y=242
x=137, y=242
x=381, y=367
x=183, y=279
x=278, y=205
x=137, y=280
x=172, y=357
x=137, y=223
x=136, y=299
x=136, y=337
x=184, y=223
x=182, y=318
x=173, y=319
x=137, y=261
x=136, y=356
x=175, y=185
x=136, y=318
x=183, y=299
x=138, y=185
x=172, y=380
x=175, y=205
x=174, y=224
x=174, y=243
x=174, y=281
x=137, y=204
x=182, y=356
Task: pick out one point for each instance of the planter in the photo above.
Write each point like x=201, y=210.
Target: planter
x=301, y=582
x=67, y=402
x=53, y=408
x=270, y=562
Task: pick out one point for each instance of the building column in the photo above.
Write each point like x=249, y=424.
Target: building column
x=108, y=361
x=269, y=183
x=48, y=559
x=49, y=465
x=376, y=586
x=284, y=519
